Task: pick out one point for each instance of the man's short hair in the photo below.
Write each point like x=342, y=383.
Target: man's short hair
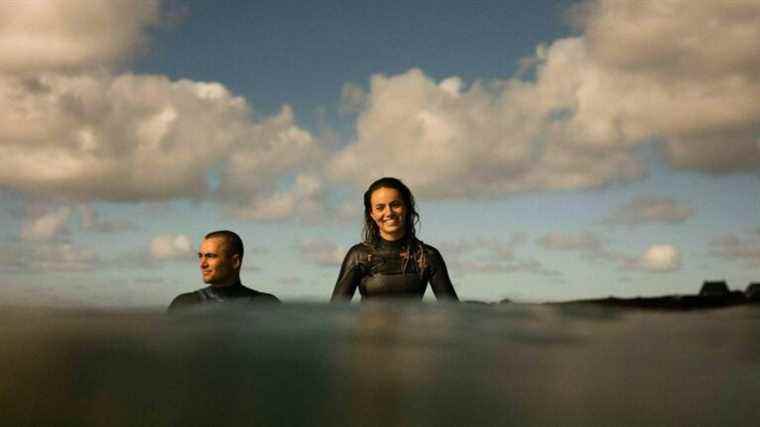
x=234, y=242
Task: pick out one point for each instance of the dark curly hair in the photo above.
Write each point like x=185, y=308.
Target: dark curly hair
x=412, y=218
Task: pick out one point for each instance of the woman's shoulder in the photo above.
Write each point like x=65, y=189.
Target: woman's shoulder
x=359, y=252
x=429, y=249
x=361, y=247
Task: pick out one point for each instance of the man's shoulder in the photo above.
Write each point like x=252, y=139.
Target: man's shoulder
x=184, y=300
x=258, y=296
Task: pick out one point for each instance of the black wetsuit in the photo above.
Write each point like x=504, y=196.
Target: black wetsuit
x=391, y=270
x=236, y=294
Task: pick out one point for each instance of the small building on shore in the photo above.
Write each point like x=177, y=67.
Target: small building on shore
x=714, y=288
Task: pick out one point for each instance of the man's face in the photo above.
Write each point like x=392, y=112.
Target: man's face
x=218, y=267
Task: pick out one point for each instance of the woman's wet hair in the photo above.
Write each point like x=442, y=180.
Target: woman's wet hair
x=371, y=232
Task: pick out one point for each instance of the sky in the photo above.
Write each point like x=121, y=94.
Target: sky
x=557, y=150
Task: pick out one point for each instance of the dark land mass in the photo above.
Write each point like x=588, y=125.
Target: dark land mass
x=713, y=294
x=667, y=302
x=670, y=302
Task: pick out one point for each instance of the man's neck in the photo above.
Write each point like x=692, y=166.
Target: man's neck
x=227, y=283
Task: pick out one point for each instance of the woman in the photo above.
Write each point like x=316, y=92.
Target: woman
x=391, y=262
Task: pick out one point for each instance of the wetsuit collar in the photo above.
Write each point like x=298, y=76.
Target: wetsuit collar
x=391, y=244
x=226, y=290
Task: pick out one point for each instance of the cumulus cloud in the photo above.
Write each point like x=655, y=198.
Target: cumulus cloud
x=171, y=247
x=129, y=137
x=583, y=241
x=529, y=265
x=649, y=210
x=745, y=250
x=304, y=198
x=36, y=257
x=657, y=259
x=91, y=220
x=691, y=75
x=321, y=252
x=491, y=256
x=492, y=247
x=639, y=70
x=71, y=34
x=75, y=129
x=47, y=224
x=446, y=141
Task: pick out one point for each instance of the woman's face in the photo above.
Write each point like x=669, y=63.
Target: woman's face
x=389, y=213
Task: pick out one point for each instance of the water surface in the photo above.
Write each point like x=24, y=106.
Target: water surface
x=403, y=364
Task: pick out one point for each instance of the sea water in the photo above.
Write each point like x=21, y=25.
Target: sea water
x=391, y=365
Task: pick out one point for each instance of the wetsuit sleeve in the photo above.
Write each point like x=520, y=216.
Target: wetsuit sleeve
x=439, y=277
x=350, y=275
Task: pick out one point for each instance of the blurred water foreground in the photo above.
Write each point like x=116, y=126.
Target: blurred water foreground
x=368, y=364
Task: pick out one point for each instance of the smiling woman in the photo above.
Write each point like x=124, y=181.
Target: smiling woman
x=392, y=262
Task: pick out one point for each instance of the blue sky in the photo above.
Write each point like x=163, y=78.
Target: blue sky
x=558, y=150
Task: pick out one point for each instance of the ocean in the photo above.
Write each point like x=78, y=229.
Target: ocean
x=394, y=364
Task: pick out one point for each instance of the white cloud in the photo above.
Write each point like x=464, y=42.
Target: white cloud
x=46, y=225
x=649, y=210
x=321, y=252
x=128, y=137
x=171, y=247
x=639, y=70
x=77, y=130
x=686, y=72
x=657, y=258
x=117, y=138
x=583, y=241
x=529, y=265
x=490, y=256
x=70, y=34
x=304, y=199
x=91, y=220
x=661, y=258
x=746, y=250
x=43, y=257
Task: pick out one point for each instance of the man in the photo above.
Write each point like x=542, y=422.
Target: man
x=220, y=257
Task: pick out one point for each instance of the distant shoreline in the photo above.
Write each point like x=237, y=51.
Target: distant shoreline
x=669, y=302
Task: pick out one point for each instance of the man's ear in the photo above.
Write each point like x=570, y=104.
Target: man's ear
x=236, y=262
